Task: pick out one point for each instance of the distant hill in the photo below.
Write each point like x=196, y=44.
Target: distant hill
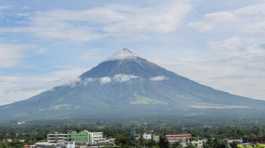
x=129, y=86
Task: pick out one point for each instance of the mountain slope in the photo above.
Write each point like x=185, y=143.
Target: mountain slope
x=129, y=86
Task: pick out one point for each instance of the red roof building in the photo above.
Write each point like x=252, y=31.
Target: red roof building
x=175, y=138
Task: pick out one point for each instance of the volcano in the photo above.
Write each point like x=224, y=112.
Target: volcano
x=126, y=85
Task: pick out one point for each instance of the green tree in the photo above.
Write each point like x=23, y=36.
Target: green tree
x=163, y=143
x=176, y=145
x=190, y=146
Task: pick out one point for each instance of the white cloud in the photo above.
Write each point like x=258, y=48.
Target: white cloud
x=245, y=56
x=15, y=88
x=110, y=21
x=158, y=78
x=158, y=19
x=234, y=75
x=10, y=54
x=93, y=55
x=238, y=47
x=235, y=58
x=213, y=20
x=217, y=106
x=124, y=77
x=234, y=64
x=105, y=80
x=245, y=20
x=2, y=8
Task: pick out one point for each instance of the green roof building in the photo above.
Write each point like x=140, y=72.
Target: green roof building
x=86, y=137
x=83, y=137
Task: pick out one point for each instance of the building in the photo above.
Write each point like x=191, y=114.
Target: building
x=51, y=145
x=183, y=139
x=82, y=137
x=156, y=138
x=230, y=141
x=9, y=140
x=47, y=145
x=58, y=138
x=198, y=143
x=70, y=145
x=147, y=136
x=96, y=138
x=27, y=146
x=73, y=139
x=254, y=140
x=89, y=138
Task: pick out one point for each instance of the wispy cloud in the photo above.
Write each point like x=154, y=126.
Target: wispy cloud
x=5, y=7
x=235, y=58
x=11, y=54
x=234, y=64
x=248, y=19
x=106, y=21
x=14, y=88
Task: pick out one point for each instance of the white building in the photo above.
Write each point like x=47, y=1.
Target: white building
x=70, y=145
x=96, y=137
x=53, y=145
x=198, y=143
x=230, y=141
x=156, y=138
x=58, y=138
x=47, y=145
x=147, y=136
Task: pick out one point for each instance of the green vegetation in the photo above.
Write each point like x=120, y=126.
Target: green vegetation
x=11, y=145
x=251, y=146
x=145, y=101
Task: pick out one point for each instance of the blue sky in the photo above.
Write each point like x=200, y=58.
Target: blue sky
x=51, y=42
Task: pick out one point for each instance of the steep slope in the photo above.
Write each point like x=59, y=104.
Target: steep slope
x=129, y=86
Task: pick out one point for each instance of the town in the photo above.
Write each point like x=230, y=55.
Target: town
x=132, y=138
x=86, y=139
